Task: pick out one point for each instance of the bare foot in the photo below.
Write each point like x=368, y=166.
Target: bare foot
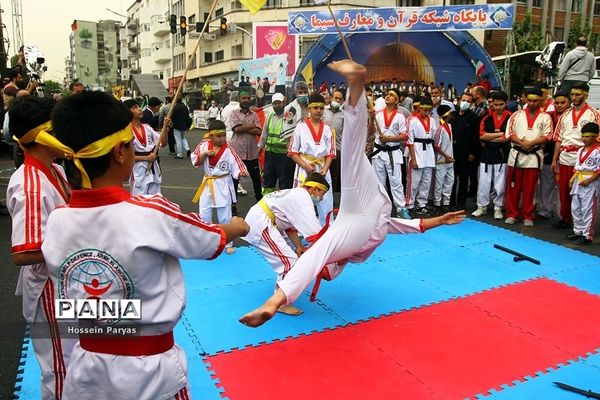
x=351, y=70
x=230, y=250
x=258, y=317
x=290, y=310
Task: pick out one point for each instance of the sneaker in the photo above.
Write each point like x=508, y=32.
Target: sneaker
x=583, y=241
x=573, y=236
x=498, y=213
x=479, y=212
x=422, y=211
x=241, y=190
x=510, y=221
x=528, y=222
x=404, y=213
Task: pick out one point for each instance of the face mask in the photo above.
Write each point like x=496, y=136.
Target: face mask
x=315, y=199
x=303, y=100
x=464, y=105
x=278, y=110
x=436, y=99
x=334, y=104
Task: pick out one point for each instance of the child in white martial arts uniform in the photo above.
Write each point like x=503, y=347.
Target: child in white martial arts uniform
x=585, y=186
x=444, y=169
x=35, y=189
x=221, y=165
x=110, y=245
x=312, y=148
x=145, y=140
x=364, y=217
x=282, y=215
x=419, y=171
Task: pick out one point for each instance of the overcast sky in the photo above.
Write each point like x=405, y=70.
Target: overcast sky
x=47, y=24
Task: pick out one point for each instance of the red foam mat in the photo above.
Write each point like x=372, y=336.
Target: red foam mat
x=449, y=350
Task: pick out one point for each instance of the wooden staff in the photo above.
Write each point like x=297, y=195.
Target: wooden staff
x=344, y=43
x=164, y=130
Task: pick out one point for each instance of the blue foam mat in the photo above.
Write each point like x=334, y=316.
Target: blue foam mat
x=581, y=374
x=407, y=271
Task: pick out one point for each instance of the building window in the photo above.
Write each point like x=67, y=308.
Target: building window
x=208, y=58
x=237, y=51
x=147, y=52
x=220, y=55
x=559, y=5
x=596, y=7
x=522, y=1
x=236, y=5
x=576, y=6
x=219, y=12
x=159, y=74
x=157, y=45
x=488, y=34
x=273, y=4
x=408, y=3
x=462, y=2
x=192, y=19
x=306, y=3
x=536, y=3
x=305, y=45
x=194, y=63
x=145, y=27
x=558, y=34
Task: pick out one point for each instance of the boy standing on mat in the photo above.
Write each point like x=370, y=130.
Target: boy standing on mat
x=364, y=217
x=107, y=244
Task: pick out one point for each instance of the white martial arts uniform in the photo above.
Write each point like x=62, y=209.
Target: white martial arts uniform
x=444, y=171
x=144, y=141
x=418, y=181
x=314, y=147
x=33, y=192
x=111, y=245
x=388, y=163
x=218, y=173
x=292, y=209
x=363, y=220
x=584, y=199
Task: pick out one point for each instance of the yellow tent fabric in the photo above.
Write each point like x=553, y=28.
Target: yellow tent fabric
x=308, y=73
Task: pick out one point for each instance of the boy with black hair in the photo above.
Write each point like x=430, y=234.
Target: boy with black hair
x=282, y=214
x=585, y=186
x=221, y=165
x=144, y=141
x=35, y=189
x=110, y=245
x=494, y=157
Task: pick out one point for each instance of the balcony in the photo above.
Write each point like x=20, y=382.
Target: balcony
x=133, y=46
x=160, y=28
x=161, y=55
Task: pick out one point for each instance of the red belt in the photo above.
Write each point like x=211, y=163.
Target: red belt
x=570, y=148
x=128, y=346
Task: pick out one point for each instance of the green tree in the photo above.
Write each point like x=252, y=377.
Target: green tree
x=51, y=87
x=527, y=36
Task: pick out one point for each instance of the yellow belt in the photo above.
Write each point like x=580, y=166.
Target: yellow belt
x=263, y=204
x=207, y=180
x=313, y=160
x=580, y=176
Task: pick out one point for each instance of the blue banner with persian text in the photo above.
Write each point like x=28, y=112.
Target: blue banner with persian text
x=404, y=19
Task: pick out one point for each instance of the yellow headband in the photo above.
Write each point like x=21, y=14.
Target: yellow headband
x=586, y=134
x=316, y=184
x=316, y=104
x=533, y=97
x=393, y=93
x=578, y=91
x=426, y=107
x=416, y=103
x=213, y=132
x=544, y=90
x=32, y=134
x=561, y=96
x=93, y=150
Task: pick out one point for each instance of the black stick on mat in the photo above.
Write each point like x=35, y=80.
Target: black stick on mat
x=517, y=256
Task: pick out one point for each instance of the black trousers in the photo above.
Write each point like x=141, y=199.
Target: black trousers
x=254, y=171
x=279, y=169
x=460, y=189
x=334, y=169
x=171, y=140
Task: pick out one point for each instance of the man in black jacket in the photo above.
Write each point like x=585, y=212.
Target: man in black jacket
x=150, y=115
x=181, y=123
x=466, y=147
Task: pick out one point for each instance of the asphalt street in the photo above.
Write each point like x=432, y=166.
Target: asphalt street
x=180, y=180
